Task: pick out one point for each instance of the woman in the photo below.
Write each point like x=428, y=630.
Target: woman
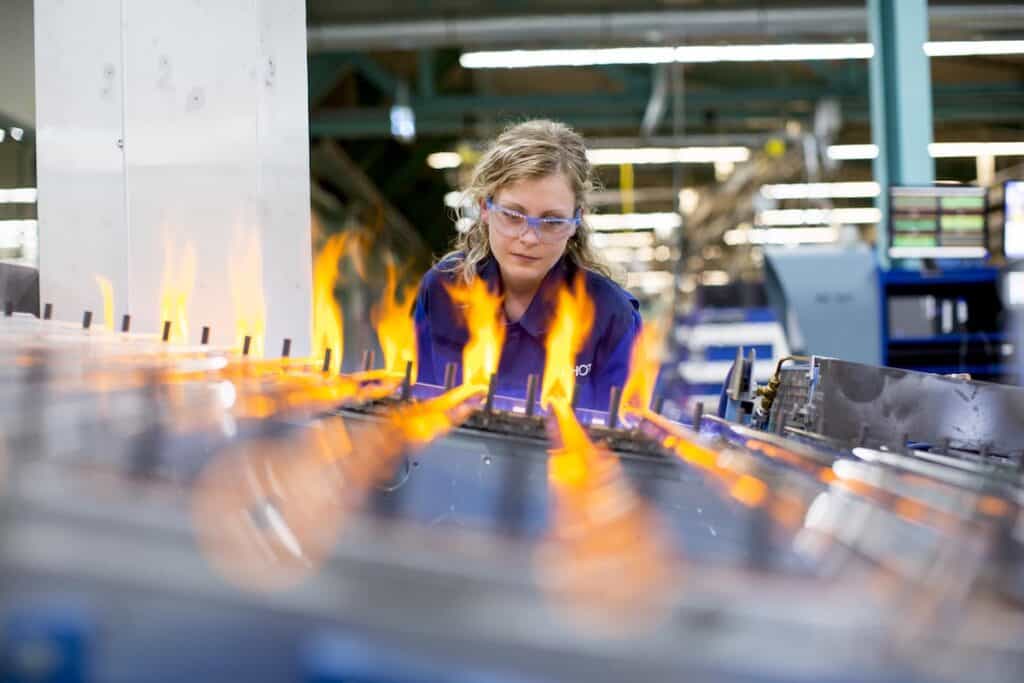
x=529, y=239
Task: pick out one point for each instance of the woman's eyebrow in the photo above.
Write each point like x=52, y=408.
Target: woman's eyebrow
x=513, y=205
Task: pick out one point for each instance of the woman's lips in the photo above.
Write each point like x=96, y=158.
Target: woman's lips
x=524, y=257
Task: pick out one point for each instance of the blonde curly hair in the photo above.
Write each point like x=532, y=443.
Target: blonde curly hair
x=528, y=150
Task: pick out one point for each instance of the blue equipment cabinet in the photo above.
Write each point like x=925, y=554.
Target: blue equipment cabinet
x=944, y=322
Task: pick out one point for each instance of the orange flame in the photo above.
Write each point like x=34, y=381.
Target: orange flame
x=421, y=423
x=574, y=317
x=245, y=270
x=396, y=332
x=606, y=558
x=644, y=363
x=177, y=281
x=327, y=320
x=107, y=292
x=482, y=310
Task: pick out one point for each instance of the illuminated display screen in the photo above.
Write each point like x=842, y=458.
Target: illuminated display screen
x=937, y=222
x=1013, y=233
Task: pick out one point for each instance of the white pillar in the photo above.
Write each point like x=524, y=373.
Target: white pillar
x=174, y=128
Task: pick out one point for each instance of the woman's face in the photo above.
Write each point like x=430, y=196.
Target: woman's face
x=523, y=259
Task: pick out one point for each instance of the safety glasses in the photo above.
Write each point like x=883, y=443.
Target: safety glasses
x=511, y=223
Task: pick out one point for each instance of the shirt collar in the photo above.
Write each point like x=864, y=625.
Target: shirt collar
x=542, y=308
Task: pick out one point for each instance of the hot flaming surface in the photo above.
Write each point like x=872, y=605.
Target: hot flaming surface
x=483, y=315
x=392, y=319
x=573, y=320
x=327, y=320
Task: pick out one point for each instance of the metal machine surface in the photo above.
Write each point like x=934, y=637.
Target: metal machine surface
x=853, y=402
x=186, y=513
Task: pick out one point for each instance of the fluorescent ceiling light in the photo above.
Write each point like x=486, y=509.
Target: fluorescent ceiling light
x=791, y=52
x=440, y=160
x=699, y=54
x=815, y=235
x=19, y=223
x=942, y=150
x=18, y=195
x=937, y=252
x=686, y=54
x=521, y=59
x=635, y=221
x=667, y=155
x=847, y=190
x=455, y=199
x=962, y=48
x=845, y=152
x=938, y=150
x=623, y=239
x=818, y=216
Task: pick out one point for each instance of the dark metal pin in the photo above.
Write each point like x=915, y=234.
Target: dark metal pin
x=449, y=374
x=614, y=399
x=48, y=312
x=286, y=348
x=862, y=435
x=698, y=414
x=246, y=345
x=205, y=338
x=531, y=394
x=407, y=382
x=327, y=361
x=87, y=320
x=368, y=358
x=492, y=387
x=658, y=405
x=126, y=323
x=8, y=308
x=167, y=331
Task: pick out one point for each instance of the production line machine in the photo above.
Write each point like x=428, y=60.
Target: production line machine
x=178, y=513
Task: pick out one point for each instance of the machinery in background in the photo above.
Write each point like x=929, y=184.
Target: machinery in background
x=827, y=299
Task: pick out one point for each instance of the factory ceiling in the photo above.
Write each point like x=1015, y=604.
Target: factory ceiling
x=364, y=57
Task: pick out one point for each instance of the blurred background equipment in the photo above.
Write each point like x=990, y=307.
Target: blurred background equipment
x=216, y=463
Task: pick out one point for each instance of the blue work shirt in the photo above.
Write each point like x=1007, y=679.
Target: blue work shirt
x=602, y=363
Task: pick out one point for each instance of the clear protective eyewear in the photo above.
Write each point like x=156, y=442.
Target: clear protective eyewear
x=548, y=229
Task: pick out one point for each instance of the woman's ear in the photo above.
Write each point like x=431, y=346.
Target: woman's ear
x=482, y=206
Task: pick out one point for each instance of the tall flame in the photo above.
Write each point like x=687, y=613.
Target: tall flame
x=574, y=318
x=107, y=292
x=177, y=281
x=482, y=311
x=327, y=321
x=245, y=270
x=644, y=363
x=392, y=319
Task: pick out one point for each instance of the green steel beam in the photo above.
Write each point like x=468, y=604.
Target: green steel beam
x=449, y=114
x=325, y=70
x=377, y=75
x=425, y=75
x=901, y=101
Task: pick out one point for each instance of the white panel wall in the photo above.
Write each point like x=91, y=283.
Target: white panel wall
x=210, y=101
x=83, y=225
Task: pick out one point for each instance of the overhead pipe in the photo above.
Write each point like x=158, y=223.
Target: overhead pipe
x=637, y=27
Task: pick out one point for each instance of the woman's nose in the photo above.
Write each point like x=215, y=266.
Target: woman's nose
x=528, y=235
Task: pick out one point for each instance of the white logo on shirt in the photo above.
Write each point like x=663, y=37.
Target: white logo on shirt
x=583, y=369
